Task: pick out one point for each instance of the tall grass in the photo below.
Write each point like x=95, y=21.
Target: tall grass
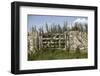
x=51, y=54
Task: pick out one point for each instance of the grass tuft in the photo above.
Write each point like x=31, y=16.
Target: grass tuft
x=52, y=54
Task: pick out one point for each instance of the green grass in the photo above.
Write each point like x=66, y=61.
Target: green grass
x=54, y=54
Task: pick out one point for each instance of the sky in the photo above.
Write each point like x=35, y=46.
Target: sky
x=41, y=20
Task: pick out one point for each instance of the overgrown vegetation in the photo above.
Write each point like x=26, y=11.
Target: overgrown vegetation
x=50, y=54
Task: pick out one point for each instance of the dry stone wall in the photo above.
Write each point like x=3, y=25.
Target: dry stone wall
x=74, y=39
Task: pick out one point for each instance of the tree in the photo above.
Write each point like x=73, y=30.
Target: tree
x=51, y=29
x=65, y=27
x=46, y=25
x=59, y=28
x=86, y=28
x=54, y=28
x=41, y=30
x=34, y=28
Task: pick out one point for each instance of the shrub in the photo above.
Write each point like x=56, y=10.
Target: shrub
x=77, y=52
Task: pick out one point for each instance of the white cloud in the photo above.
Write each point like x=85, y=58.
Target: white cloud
x=81, y=20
